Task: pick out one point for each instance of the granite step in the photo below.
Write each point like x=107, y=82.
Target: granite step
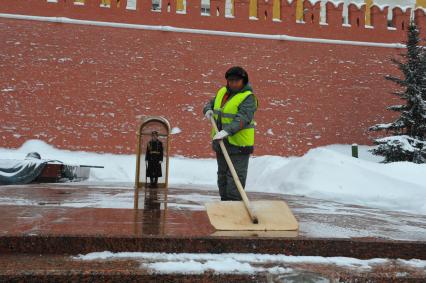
x=60, y=268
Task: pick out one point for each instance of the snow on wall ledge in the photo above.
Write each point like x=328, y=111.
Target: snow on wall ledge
x=283, y=37
x=311, y=26
x=328, y=173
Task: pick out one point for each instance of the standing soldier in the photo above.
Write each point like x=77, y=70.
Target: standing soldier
x=233, y=109
x=154, y=157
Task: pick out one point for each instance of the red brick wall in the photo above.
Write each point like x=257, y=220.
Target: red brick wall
x=85, y=88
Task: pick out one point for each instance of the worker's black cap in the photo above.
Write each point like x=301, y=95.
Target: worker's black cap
x=237, y=72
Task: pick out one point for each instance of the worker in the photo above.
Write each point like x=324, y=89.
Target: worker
x=154, y=157
x=233, y=109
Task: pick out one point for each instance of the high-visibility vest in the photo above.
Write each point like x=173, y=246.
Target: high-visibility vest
x=245, y=136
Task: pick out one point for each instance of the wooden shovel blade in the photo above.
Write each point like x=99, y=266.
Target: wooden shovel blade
x=233, y=216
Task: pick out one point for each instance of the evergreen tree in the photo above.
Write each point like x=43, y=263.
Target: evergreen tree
x=408, y=139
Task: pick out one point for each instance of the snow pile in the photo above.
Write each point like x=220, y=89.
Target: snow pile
x=191, y=263
x=328, y=173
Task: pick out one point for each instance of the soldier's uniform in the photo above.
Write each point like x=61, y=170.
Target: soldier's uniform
x=234, y=113
x=153, y=156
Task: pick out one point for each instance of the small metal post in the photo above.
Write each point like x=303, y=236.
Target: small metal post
x=355, y=150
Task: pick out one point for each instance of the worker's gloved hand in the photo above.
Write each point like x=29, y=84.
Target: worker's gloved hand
x=220, y=135
x=209, y=114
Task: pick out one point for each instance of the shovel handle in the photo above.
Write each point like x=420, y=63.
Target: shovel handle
x=243, y=194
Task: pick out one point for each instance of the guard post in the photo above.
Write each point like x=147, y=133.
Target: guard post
x=145, y=129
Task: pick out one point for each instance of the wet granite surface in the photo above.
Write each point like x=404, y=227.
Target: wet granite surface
x=52, y=219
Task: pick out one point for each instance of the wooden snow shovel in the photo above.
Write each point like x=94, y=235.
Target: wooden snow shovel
x=245, y=215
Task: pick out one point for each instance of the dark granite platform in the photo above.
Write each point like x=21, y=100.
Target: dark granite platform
x=43, y=225
x=68, y=219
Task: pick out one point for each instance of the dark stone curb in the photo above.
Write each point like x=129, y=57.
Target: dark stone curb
x=357, y=248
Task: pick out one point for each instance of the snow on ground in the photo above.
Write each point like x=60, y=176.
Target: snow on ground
x=328, y=173
x=190, y=263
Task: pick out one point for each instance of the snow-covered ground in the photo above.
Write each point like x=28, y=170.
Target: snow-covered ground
x=328, y=173
x=234, y=263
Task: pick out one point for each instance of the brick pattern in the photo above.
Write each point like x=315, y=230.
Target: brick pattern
x=86, y=88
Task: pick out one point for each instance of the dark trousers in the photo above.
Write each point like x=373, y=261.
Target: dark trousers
x=227, y=188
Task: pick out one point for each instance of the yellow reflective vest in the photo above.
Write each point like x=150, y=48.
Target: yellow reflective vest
x=245, y=136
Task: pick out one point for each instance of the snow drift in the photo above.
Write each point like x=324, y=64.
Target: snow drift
x=328, y=173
